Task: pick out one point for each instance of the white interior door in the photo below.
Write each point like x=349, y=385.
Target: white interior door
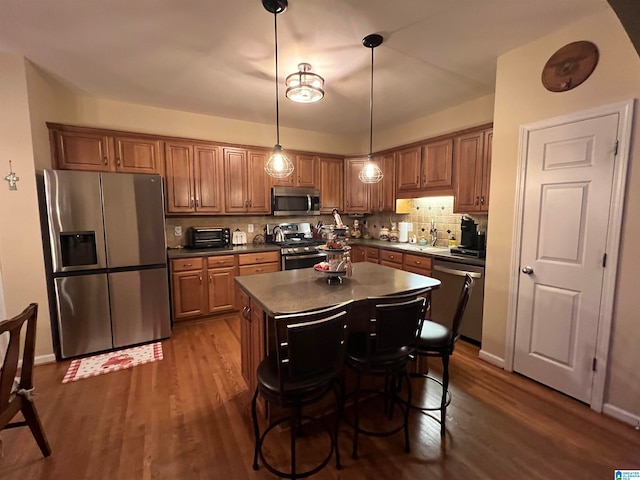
x=569, y=177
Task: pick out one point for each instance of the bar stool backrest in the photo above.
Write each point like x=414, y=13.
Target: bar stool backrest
x=398, y=325
x=463, y=299
x=311, y=344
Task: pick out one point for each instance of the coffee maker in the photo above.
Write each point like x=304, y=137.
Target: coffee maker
x=472, y=243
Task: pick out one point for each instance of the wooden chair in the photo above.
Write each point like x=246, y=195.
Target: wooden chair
x=14, y=400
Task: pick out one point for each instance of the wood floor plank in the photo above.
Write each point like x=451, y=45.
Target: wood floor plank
x=188, y=417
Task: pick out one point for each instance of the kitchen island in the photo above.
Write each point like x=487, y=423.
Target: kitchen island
x=269, y=294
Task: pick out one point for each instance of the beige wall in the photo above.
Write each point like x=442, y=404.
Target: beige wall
x=465, y=115
x=520, y=98
x=21, y=260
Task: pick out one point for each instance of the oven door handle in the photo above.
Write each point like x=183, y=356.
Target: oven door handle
x=313, y=255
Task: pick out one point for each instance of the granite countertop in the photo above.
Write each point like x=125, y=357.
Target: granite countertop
x=436, y=252
x=209, y=252
x=305, y=289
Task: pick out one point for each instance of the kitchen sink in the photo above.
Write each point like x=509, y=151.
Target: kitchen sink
x=427, y=249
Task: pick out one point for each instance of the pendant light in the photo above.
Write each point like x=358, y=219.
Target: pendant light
x=278, y=165
x=304, y=86
x=371, y=172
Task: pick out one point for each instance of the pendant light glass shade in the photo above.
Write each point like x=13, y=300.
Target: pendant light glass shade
x=278, y=165
x=304, y=86
x=371, y=172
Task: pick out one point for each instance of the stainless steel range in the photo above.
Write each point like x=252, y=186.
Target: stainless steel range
x=297, y=245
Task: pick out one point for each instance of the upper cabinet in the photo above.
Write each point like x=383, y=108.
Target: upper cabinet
x=425, y=168
x=90, y=149
x=382, y=195
x=473, y=170
x=194, y=178
x=305, y=172
x=331, y=183
x=357, y=193
x=246, y=185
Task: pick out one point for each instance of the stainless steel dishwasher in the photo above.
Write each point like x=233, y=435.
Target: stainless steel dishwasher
x=445, y=299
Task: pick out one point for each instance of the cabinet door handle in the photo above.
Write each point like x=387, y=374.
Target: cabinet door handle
x=210, y=279
x=250, y=203
x=347, y=203
x=105, y=160
x=482, y=200
x=187, y=265
x=118, y=161
x=424, y=179
x=197, y=202
x=200, y=278
x=417, y=262
x=192, y=202
x=390, y=257
x=477, y=201
x=259, y=269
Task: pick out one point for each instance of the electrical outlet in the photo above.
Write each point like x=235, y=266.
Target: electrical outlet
x=177, y=231
x=250, y=228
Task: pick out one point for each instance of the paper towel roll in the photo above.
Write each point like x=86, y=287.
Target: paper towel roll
x=403, y=231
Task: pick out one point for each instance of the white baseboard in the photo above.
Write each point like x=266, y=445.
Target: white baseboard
x=41, y=360
x=491, y=358
x=620, y=414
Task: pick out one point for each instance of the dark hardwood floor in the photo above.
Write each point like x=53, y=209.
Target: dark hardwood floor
x=187, y=417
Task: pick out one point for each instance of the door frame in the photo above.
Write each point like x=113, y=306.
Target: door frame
x=625, y=110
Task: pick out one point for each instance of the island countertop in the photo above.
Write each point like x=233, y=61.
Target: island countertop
x=305, y=289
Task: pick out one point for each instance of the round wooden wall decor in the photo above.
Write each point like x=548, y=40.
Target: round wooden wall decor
x=570, y=66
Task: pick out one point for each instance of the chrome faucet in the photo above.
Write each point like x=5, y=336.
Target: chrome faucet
x=433, y=231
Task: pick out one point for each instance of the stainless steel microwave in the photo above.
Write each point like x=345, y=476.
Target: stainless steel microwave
x=295, y=201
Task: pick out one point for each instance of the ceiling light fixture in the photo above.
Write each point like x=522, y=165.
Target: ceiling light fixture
x=371, y=172
x=278, y=165
x=304, y=86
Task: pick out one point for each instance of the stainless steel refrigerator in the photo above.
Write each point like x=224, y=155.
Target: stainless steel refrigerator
x=106, y=260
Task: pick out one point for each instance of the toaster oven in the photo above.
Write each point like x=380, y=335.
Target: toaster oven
x=208, y=237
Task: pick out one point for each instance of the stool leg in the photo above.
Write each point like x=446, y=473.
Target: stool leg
x=407, y=409
x=256, y=430
x=337, y=392
x=356, y=418
x=295, y=419
x=445, y=389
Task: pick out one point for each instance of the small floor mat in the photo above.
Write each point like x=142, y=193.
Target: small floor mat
x=112, y=361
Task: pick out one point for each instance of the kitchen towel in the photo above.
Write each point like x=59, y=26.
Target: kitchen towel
x=113, y=361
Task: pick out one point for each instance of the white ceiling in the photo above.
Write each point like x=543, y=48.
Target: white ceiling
x=217, y=58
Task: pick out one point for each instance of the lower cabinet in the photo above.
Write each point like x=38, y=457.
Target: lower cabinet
x=358, y=253
x=372, y=255
x=390, y=258
x=417, y=264
x=252, y=348
x=262, y=262
x=202, y=286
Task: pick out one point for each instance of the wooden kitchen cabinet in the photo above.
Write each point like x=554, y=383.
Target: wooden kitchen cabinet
x=246, y=183
x=356, y=192
x=390, y=258
x=188, y=290
x=304, y=174
x=202, y=286
x=97, y=150
x=252, y=348
x=358, y=253
x=372, y=255
x=193, y=178
x=426, y=168
x=417, y=264
x=472, y=172
x=382, y=195
x=221, y=272
x=331, y=183
x=262, y=262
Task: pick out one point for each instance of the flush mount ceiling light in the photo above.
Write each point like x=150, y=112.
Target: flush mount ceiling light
x=278, y=165
x=371, y=172
x=304, y=86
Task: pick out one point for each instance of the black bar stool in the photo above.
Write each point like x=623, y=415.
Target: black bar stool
x=306, y=365
x=383, y=351
x=436, y=340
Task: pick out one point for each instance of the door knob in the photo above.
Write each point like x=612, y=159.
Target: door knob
x=528, y=270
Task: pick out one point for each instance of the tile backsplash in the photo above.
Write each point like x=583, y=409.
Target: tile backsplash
x=422, y=211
